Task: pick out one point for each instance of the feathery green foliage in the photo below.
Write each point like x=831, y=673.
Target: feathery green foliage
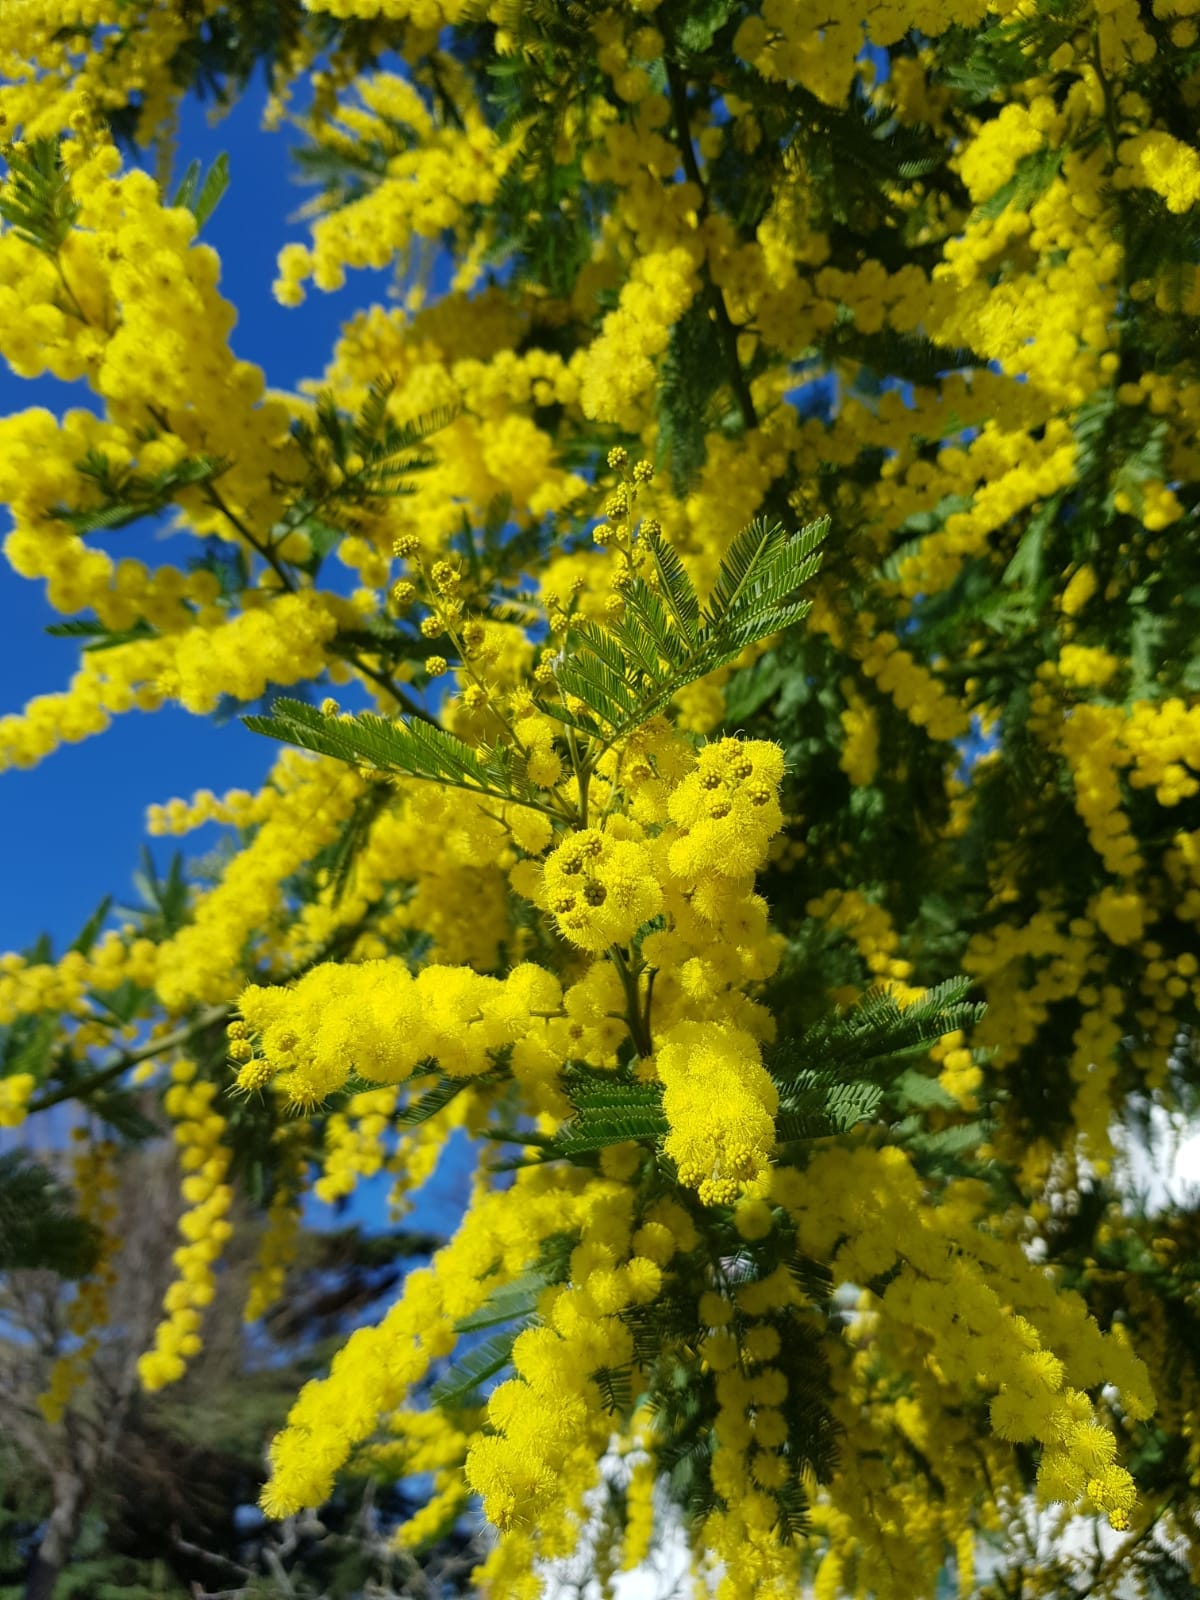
x=36, y=199
x=628, y=670
x=38, y=1228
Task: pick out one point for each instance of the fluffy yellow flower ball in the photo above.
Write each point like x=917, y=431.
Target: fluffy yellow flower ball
x=601, y=889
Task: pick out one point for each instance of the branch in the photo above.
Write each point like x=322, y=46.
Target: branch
x=130, y=1058
x=389, y=684
x=725, y=327
x=188, y=1548
x=268, y=553
x=330, y=950
x=1104, y=1569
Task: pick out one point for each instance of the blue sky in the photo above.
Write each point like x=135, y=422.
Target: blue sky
x=72, y=827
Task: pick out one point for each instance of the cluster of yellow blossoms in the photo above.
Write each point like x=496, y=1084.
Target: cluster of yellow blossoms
x=95, y=1179
x=204, y=1226
x=437, y=175
x=16, y=1090
x=375, y=1021
x=281, y=1229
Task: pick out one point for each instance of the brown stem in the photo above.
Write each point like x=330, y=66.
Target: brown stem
x=267, y=551
x=635, y=1021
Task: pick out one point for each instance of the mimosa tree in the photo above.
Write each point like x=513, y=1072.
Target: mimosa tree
x=747, y=781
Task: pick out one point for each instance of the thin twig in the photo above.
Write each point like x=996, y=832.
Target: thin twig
x=633, y=1019
x=130, y=1058
x=267, y=551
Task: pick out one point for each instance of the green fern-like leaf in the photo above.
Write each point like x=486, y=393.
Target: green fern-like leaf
x=592, y=679
x=838, y=1073
x=621, y=675
x=392, y=452
x=629, y=671
x=793, y=1510
x=1033, y=176
x=878, y=1033
x=372, y=415
x=592, y=1096
x=917, y=1091
x=679, y=596
x=202, y=195
x=691, y=375
x=815, y=1108
x=616, y=1388
x=747, y=555
x=352, y=838
x=129, y=496
x=646, y=631
x=97, y=636
x=474, y=1368
x=413, y=749
x=432, y=1101
x=517, y=1300
x=590, y=1134
x=760, y=577
x=946, y=1151
x=90, y=931
x=36, y=201
x=606, y=1113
